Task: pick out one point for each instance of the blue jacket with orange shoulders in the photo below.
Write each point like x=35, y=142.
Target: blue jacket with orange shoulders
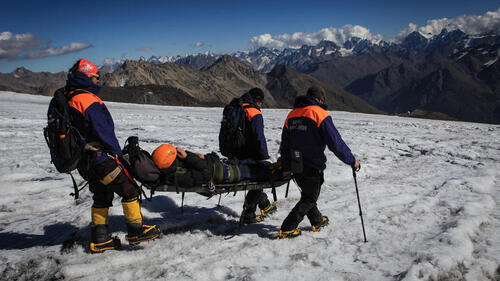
x=92, y=118
x=309, y=129
x=256, y=146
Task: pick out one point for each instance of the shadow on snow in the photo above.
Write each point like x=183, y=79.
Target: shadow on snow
x=213, y=221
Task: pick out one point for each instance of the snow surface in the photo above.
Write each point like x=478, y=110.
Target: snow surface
x=429, y=193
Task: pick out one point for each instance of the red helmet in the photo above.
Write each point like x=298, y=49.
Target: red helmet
x=164, y=155
x=87, y=68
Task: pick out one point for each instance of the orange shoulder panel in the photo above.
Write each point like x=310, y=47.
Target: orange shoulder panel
x=313, y=112
x=82, y=101
x=251, y=112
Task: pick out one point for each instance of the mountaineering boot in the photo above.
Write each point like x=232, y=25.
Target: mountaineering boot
x=289, y=234
x=100, y=239
x=137, y=231
x=268, y=210
x=324, y=222
x=254, y=219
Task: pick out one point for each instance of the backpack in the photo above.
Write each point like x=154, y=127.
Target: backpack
x=140, y=163
x=64, y=140
x=232, y=130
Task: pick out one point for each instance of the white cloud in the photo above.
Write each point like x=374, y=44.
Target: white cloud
x=28, y=46
x=470, y=24
x=199, y=44
x=297, y=39
x=51, y=52
x=266, y=40
x=11, y=45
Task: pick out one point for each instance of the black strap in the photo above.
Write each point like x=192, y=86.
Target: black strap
x=220, y=196
x=75, y=187
x=144, y=193
x=76, y=192
x=76, y=92
x=287, y=187
x=176, y=183
x=182, y=203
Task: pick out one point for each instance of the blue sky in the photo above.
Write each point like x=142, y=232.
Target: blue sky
x=45, y=30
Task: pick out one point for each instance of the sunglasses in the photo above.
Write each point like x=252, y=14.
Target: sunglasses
x=96, y=75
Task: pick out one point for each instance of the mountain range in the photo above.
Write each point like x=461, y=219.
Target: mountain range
x=217, y=84
x=451, y=75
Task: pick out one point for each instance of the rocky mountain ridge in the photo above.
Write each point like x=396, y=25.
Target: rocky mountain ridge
x=225, y=79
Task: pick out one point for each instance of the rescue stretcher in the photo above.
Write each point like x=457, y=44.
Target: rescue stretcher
x=221, y=188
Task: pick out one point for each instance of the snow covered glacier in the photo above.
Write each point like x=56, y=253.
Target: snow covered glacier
x=429, y=192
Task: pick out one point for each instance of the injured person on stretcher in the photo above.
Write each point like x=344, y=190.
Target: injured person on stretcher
x=174, y=169
x=188, y=169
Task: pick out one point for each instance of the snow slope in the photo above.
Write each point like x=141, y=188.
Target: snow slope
x=429, y=192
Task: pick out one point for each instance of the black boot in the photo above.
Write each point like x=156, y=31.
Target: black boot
x=138, y=232
x=252, y=219
x=289, y=234
x=268, y=210
x=324, y=222
x=101, y=240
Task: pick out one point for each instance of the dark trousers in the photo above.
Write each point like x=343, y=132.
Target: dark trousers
x=104, y=194
x=254, y=198
x=310, y=182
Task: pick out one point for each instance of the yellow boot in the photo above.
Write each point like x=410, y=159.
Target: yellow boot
x=137, y=231
x=101, y=240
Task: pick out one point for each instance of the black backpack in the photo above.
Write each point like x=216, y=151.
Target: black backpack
x=232, y=129
x=64, y=140
x=140, y=163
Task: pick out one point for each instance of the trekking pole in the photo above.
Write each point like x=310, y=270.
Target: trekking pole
x=359, y=203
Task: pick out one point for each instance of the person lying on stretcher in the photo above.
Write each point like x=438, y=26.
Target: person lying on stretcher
x=188, y=169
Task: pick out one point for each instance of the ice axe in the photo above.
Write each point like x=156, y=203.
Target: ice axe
x=359, y=203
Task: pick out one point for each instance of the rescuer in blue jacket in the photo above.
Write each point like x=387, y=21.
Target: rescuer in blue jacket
x=307, y=131
x=254, y=151
x=100, y=163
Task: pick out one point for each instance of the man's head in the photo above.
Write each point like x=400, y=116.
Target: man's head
x=88, y=68
x=164, y=155
x=257, y=95
x=317, y=93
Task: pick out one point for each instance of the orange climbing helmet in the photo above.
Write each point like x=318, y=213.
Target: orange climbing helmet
x=164, y=155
